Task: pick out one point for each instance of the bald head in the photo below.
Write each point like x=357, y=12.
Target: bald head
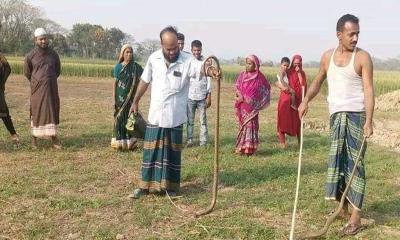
x=168, y=38
x=169, y=43
x=169, y=29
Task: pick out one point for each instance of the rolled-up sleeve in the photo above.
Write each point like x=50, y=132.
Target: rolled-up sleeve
x=147, y=72
x=208, y=84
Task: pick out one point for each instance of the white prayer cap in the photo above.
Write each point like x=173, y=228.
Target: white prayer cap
x=40, y=32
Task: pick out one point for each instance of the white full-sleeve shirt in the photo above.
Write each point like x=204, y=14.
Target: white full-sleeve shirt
x=169, y=89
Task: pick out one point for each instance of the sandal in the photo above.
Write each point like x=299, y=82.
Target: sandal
x=351, y=229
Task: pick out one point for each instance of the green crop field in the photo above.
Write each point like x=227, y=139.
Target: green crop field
x=385, y=81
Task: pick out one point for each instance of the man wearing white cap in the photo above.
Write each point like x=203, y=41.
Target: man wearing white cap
x=42, y=68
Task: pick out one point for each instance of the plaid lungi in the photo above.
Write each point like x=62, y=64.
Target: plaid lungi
x=161, y=167
x=346, y=139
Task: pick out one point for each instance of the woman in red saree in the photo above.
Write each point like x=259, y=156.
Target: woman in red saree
x=288, y=118
x=252, y=95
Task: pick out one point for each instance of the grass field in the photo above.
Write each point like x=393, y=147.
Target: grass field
x=81, y=191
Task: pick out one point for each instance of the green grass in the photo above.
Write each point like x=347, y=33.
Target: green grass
x=81, y=190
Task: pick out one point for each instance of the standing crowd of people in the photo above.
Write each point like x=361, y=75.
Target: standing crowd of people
x=181, y=86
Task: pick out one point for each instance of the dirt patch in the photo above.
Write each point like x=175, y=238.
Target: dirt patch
x=388, y=102
x=316, y=125
x=387, y=134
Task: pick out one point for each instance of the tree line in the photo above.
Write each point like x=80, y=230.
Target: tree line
x=19, y=19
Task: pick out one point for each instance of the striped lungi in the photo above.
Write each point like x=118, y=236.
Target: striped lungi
x=161, y=167
x=346, y=139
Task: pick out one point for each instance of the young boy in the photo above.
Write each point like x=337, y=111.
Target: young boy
x=284, y=81
x=199, y=96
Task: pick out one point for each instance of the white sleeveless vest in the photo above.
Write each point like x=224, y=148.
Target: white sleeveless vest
x=345, y=88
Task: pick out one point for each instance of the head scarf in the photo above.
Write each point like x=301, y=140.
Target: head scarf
x=254, y=88
x=301, y=62
x=252, y=75
x=121, y=54
x=294, y=80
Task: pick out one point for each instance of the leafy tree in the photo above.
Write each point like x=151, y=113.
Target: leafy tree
x=145, y=48
x=16, y=25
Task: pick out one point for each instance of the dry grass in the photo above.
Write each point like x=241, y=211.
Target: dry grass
x=80, y=192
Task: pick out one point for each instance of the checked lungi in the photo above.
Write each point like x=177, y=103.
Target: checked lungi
x=346, y=139
x=161, y=167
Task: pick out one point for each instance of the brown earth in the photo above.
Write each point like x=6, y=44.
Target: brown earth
x=386, y=125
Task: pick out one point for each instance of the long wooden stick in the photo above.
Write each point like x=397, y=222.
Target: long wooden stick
x=298, y=173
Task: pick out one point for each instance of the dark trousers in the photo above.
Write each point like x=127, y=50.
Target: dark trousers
x=9, y=124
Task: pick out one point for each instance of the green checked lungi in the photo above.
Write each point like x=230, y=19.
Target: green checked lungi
x=161, y=167
x=346, y=139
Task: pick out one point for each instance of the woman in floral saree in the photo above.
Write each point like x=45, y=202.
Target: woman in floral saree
x=127, y=75
x=252, y=95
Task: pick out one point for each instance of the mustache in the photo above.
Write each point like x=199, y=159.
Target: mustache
x=355, y=42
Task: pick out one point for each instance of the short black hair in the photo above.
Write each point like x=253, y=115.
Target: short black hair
x=181, y=36
x=285, y=60
x=170, y=29
x=345, y=18
x=197, y=43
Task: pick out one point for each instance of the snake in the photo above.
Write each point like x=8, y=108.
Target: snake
x=214, y=193
x=217, y=78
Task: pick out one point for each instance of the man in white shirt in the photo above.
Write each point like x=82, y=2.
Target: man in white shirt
x=169, y=71
x=199, y=96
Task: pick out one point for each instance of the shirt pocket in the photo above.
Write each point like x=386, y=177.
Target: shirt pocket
x=176, y=82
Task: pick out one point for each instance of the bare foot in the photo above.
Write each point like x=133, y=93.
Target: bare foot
x=57, y=146
x=56, y=143
x=15, y=140
x=34, y=143
x=283, y=145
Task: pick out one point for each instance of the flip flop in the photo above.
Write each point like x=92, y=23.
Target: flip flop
x=351, y=229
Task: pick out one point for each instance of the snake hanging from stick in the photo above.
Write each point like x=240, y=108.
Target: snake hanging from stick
x=211, y=63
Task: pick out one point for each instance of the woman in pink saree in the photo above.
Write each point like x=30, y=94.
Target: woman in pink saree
x=253, y=93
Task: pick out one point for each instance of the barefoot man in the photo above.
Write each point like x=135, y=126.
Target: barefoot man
x=42, y=68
